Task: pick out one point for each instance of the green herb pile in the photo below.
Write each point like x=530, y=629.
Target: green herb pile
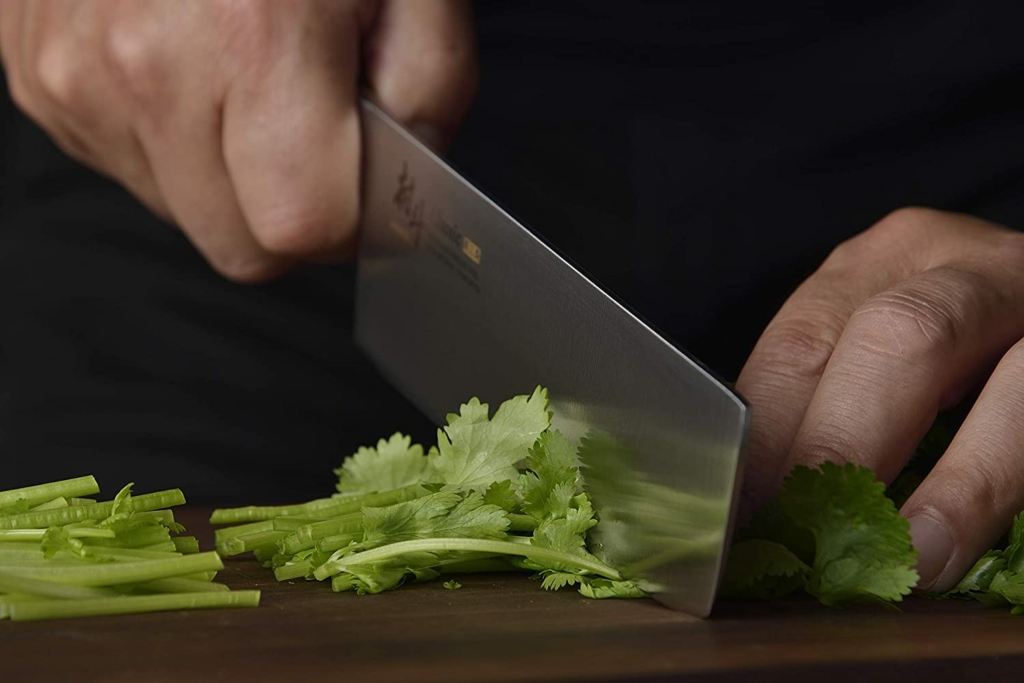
x=65, y=555
x=495, y=494
x=835, y=532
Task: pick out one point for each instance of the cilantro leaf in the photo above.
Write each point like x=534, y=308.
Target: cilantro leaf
x=405, y=521
x=555, y=580
x=1009, y=586
x=979, y=578
x=474, y=451
x=502, y=494
x=553, y=477
x=760, y=570
x=606, y=588
x=393, y=464
x=863, y=550
x=452, y=585
x=473, y=518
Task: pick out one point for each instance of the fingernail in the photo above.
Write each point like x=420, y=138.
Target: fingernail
x=428, y=134
x=936, y=547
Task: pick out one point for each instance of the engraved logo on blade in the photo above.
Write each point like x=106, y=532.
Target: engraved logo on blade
x=438, y=236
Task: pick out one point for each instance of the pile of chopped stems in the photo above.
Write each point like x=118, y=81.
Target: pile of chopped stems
x=63, y=554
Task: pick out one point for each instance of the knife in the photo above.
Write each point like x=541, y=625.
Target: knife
x=455, y=298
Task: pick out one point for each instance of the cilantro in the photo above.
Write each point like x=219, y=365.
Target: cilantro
x=391, y=465
x=452, y=585
x=475, y=452
x=862, y=550
x=759, y=570
x=497, y=493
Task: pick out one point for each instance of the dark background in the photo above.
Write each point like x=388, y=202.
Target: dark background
x=698, y=158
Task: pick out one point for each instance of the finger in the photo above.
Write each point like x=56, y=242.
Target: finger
x=178, y=123
x=970, y=497
x=421, y=65
x=786, y=365
x=902, y=353
x=82, y=100
x=291, y=139
x=25, y=29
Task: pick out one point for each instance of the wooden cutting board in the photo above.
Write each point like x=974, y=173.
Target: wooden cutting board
x=505, y=628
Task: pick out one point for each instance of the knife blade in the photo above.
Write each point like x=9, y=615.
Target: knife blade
x=455, y=298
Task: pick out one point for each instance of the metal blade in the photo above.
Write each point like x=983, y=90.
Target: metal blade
x=456, y=299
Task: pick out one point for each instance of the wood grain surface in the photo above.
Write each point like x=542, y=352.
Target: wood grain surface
x=505, y=628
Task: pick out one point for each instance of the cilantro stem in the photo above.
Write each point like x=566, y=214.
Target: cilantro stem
x=249, y=542
x=42, y=493
x=32, y=610
x=186, y=545
x=14, y=535
x=306, y=536
x=137, y=538
x=69, y=515
x=440, y=545
x=321, y=507
x=224, y=534
x=50, y=505
x=295, y=570
x=182, y=585
x=332, y=543
x=11, y=582
x=259, y=513
x=124, y=572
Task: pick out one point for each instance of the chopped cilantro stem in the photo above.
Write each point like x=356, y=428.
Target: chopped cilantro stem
x=186, y=544
x=182, y=585
x=322, y=507
x=295, y=570
x=63, y=516
x=138, y=538
x=332, y=543
x=11, y=582
x=125, y=572
x=249, y=542
x=306, y=536
x=440, y=545
x=14, y=535
x=130, y=554
x=242, y=529
x=33, y=610
x=293, y=522
x=42, y=493
x=50, y=505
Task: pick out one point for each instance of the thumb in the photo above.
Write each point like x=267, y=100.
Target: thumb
x=421, y=65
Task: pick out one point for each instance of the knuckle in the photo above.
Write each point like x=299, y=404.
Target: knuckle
x=135, y=61
x=800, y=346
x=307, y=230
x=907, y=221
x=59, y=75
x=923, y=319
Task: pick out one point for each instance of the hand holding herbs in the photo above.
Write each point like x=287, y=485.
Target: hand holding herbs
x=497, y=493
x=835, y=533
x=64, y=555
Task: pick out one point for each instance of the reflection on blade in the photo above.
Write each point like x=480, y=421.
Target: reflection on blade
x=646, y=529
